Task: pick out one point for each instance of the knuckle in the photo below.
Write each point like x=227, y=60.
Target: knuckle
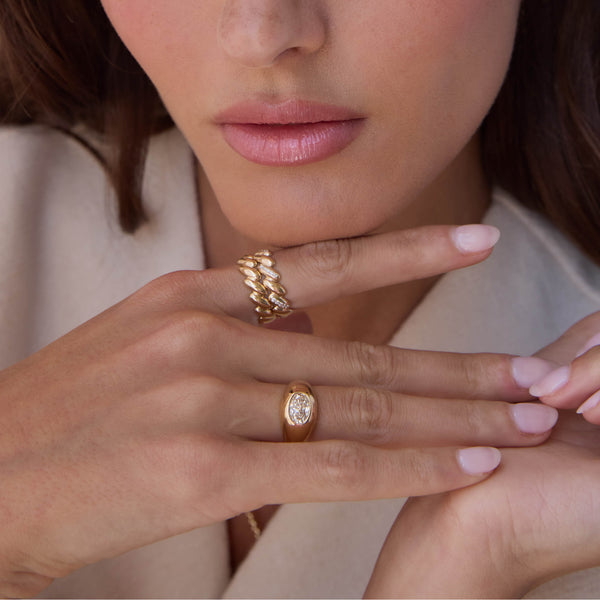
x=344, y=465
x=330, y=259
x=475, y=374
x=187, y=330
x=474, y=421
x=376, y=366
x=200, y=399
x=173, y=288
x=371, y=412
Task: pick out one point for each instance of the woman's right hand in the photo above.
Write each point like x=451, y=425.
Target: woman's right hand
x=160, y=414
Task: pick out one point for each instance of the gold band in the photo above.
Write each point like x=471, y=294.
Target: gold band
x=253, y=525
x=267, y=293
x=298, y=412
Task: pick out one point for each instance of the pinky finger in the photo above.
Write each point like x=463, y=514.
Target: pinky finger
x=346, y=471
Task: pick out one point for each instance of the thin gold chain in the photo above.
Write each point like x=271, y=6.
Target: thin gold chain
x=253, y=524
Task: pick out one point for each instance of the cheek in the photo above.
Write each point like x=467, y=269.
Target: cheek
x=171, y=39
x=438, y=67
x=434, y=59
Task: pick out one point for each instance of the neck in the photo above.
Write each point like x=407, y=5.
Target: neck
x=460, y=195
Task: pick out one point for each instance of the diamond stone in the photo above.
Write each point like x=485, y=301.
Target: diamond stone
x=300, y=408
x=279, y=302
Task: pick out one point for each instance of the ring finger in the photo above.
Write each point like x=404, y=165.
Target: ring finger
x=383, y=418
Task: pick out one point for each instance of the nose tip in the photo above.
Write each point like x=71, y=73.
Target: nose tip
x=256, y=33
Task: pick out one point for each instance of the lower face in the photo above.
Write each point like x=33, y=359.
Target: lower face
x=415, y=79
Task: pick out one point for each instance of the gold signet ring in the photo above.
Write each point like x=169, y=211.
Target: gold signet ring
x=298, y=412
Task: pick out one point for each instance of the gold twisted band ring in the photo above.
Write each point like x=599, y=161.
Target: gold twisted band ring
x=267, y=292
x=298, y=412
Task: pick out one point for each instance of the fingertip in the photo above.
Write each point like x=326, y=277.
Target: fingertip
x=471, y=239
x=528, y=370
x=479, y=460
x=532, y=418
x=551, y=383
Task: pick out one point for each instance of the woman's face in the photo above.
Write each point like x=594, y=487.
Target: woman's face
x=397, y=87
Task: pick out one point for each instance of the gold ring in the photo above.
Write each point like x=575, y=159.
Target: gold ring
x=298, y=412
x=267, y=293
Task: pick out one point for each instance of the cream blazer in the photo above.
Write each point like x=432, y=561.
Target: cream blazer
x=63, y=259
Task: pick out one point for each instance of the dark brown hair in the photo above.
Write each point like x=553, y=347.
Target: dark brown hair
x=61, y=63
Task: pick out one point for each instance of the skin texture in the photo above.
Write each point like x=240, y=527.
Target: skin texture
x=535, y=520
x=161, y=425
x=424, y=74
x=124, y=469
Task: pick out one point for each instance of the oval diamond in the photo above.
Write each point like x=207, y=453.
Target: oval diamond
x=300, y=408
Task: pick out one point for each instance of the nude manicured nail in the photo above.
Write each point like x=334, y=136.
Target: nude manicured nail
x=478, y=460
x=534, y=418
x=593, y=341
x=475, y=238
x=551, y=383
x=590, y=403
x=528, y=370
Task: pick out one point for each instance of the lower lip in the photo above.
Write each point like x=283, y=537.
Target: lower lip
x=295, y=144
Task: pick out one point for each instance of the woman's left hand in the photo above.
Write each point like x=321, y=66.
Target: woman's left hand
x=536, y=519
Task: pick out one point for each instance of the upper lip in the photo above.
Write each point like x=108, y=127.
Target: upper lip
x=284, y=113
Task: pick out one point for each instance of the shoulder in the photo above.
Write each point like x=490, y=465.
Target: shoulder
x=52, y=172
x=40, y=166
x=29, y=147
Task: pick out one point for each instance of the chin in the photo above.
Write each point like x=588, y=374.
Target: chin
x=283, y=228
x=292, y=215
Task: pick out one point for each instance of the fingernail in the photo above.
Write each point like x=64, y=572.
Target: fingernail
x=479, y=460
x=528, y=370
x=593, y=341
x=534, y=418
x=590, y=403
x=551, y=383
x=475, y=238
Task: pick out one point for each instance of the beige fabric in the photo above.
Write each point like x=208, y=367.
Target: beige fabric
x=63, y=259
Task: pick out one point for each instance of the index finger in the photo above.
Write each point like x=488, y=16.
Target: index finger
x=321, y=272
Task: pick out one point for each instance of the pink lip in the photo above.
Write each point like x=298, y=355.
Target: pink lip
x=294, y=132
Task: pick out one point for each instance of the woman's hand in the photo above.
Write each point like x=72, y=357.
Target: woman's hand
x=159, y=415
x=576, y=384
x=536, y=519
